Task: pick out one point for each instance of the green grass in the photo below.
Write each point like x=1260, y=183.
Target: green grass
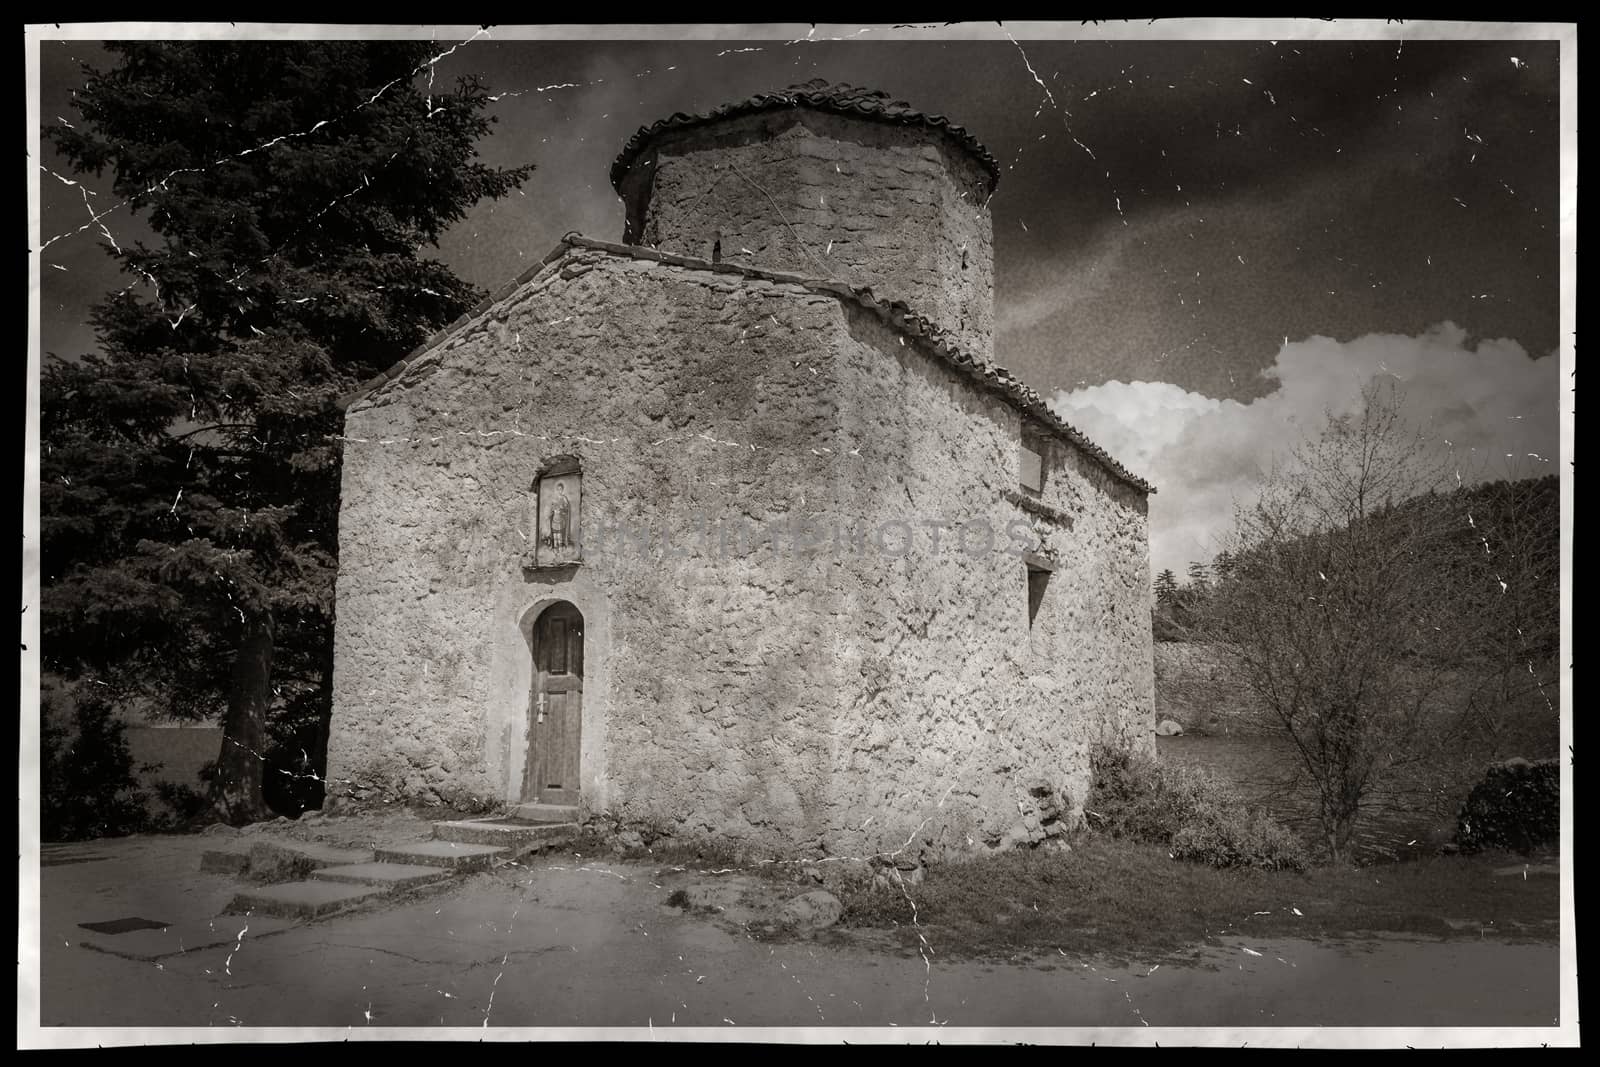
x=1125, y=901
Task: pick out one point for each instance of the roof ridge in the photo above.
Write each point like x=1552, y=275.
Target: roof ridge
x=900, y=316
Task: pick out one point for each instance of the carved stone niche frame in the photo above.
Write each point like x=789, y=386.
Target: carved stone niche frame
x=557, y=499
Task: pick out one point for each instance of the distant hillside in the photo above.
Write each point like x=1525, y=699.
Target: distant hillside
x=1496, y=532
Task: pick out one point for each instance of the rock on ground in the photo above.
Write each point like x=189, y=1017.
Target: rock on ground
x=718, y=896
x=811, y=911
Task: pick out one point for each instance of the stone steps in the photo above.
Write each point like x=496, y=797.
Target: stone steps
x=224, y=861
x=558, y=813
x=513, y=834
x=302, y=900
x=397, y=875
x=267, y=854
x=453, y=854
x=345, y=878
x=331, y=889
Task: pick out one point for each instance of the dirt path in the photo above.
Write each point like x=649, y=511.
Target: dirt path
x=577, y=943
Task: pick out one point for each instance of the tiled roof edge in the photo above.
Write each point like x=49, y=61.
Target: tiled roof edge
x=835, y=99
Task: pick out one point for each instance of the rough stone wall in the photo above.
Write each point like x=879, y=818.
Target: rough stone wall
x=683, y=394
x=1104, y=552
x=897, y=209
x=969, y=726
x=788, y=695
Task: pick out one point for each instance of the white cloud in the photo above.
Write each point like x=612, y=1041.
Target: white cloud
x=1489, y=400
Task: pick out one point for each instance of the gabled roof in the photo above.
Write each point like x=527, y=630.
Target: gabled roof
x=982, y=372
x=819, y=95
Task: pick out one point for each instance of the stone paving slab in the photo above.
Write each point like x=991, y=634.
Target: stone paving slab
x=443, y=854
x=390, y=874
x=189, y=935
x=303, y=900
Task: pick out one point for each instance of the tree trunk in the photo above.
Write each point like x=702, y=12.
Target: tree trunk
x=319, y=754
x=236, y=793
x=1338, y=826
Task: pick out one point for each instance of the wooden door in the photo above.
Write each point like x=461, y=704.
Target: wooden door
x=555, y=709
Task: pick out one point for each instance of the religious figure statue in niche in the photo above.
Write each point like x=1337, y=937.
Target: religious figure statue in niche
x=561, y=518
x=559, y=502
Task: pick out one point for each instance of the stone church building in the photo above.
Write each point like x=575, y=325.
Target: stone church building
x=736, y=528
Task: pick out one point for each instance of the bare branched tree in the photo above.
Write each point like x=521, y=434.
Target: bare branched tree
x=1337, y=614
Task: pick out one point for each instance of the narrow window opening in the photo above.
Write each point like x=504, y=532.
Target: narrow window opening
x=1038, y=578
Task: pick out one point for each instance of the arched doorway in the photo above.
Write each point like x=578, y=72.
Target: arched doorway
x=555, y=707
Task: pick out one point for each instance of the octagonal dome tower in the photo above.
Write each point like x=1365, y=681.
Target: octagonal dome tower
x=827, y=181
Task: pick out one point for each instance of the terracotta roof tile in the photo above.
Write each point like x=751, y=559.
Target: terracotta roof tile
x=819, y=95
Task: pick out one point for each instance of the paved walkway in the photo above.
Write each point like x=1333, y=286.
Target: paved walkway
x=576, y=943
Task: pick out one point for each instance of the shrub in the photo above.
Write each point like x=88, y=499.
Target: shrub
x=1128, y=796
x=1516, y=806
x=1238, y=837
x=187, y=807
x=87, y=787
x=1197, y=818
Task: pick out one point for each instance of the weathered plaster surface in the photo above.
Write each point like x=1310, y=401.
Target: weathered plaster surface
x=840, y=698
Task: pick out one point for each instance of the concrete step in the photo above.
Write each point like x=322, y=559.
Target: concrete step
x=302, y=900
x=265, y=855
x=510, y=833
x=224, y=861
x=543, y=813
x=315, y=851
x=453, y=854
x=398, y=875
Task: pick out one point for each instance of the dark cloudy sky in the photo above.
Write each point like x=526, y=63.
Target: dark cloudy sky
x=1199, y=245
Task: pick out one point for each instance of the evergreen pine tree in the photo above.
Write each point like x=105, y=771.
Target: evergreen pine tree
x=1166, y=588
x=190, y=470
